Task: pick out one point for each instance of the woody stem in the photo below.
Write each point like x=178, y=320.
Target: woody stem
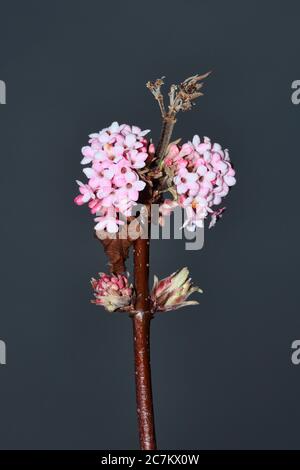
x=165, y=137
x=142, y=318
x=141, y=332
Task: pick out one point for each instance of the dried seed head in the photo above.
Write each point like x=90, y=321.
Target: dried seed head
x=181, y=97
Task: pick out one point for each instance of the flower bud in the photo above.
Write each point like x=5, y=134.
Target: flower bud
x=113, y=292
x=172, y=292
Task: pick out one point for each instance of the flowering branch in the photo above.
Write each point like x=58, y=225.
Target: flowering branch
x=126, y=169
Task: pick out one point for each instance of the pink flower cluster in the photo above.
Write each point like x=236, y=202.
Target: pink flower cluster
x=115, y=154
x=113, y=292
x=202, y=175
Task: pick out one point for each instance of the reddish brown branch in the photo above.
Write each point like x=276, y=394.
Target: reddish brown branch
x=141, y=332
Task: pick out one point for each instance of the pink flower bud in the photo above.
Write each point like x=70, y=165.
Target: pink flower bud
x=113, y=292
x=151, y=149
x=78, y=200
x=172, y=292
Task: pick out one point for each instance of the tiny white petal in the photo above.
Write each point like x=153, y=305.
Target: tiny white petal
x=99, y=225
x=182, y=188
x=109, y=173
x=112, y=227
x=86, y=197
x=139, y=185
x=138, y=145
x=190, y=226
x=192, y=177
x=217, y=200
x=210, y=175
x=104, y=137
x=196, y=140
x=114, y=127
x=86, y=160
x=207, y=156
x=100, y=155
x=230, y=180
x=201, y=170
x=135, y=130
x=138, y=165
x=199, y=223
x=145, y=132
x=130, y=140
x=217, y=147
x=89, y=172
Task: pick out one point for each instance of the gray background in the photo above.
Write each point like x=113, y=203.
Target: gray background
x=222, y=374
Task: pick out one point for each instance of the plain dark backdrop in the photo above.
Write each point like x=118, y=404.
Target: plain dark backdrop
x=222, y=374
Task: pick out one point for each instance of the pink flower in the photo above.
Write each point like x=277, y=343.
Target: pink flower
x=86, y=194
x=108, y=222
x=229, y=179
x=194, y=217
x=105, y=188
x=88, y=154
x=111, y=199
x=113, y=152
x=201, y=148
x=113, y=292
x=137, y=159
x=122, y=170
x=186, y=181
x=131, y=191
x=95, y=205
x=186, y=150
x=172, y=292
x=105, y=168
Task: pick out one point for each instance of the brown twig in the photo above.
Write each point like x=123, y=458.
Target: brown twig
x=181, y=98
x=155, y=87
x=165, y=138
